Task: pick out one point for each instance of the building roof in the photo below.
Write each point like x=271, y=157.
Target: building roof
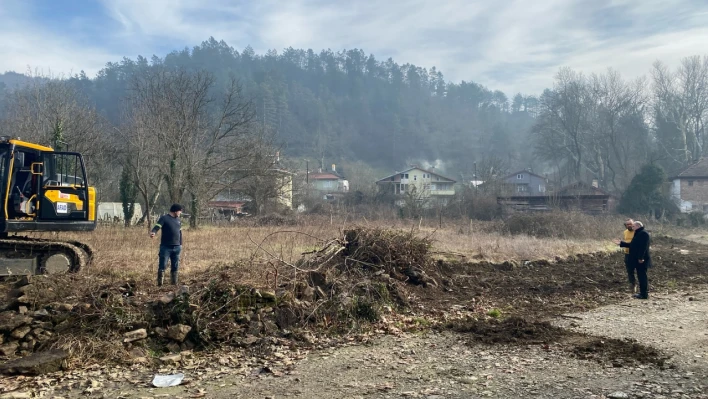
x=324, y=176
x=523, y=171
x=698, y=169
x=227, y=204
x=419, y=168
x=580, y=188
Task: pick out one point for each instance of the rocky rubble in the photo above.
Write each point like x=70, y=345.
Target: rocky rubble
x=123, y=323
x=23, y=331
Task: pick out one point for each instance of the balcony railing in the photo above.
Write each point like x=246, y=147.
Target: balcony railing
x=442, y=192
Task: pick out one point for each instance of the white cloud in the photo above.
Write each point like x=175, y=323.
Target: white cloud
x=507, y=45
x=631, y=50
x=28, y=44
x=188, y=22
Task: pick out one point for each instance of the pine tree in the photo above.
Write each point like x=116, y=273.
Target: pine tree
x=58, y=135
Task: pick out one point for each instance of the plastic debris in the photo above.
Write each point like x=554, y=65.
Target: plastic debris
x=167, y=380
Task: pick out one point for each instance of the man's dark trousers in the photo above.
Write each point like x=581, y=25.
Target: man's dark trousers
x=643, y=280
x=630, y=271
x=172, y=253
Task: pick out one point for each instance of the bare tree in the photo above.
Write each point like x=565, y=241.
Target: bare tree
x=268, y=190
x=201, y=132
x=616, y=124
x=139, y=148
x=52, y=112
x=681, y=108
x=593, y=126
x=693, y=80
x=561, y=130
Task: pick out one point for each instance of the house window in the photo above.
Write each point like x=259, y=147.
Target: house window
x=519, y=176
x=433, y=187
x=403, y=188
x=690, y=183
x=521, y=188
x=328, y=184
x=541, y=188
x=415, y=177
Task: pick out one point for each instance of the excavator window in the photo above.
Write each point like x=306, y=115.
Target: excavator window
x=22, y=187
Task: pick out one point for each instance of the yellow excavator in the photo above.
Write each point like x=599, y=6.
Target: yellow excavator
x=42, y=190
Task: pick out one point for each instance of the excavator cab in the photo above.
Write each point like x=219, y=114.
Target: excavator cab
x=42, y=190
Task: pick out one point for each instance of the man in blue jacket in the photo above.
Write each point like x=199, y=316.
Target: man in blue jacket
x=170, y=243
x=639, y=257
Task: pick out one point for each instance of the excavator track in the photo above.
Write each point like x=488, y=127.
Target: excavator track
x=38, y=252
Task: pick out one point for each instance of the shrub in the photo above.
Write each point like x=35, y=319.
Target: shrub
x=697, y=219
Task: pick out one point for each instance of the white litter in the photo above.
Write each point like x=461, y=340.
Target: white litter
x=167, y=380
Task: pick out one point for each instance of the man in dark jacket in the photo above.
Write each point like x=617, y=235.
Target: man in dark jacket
x=170, y=243
x=639, y=257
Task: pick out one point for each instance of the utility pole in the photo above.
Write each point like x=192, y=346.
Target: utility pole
x=475, y=175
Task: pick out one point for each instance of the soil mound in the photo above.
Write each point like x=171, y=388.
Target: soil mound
x=519, y=331
x=512, y=330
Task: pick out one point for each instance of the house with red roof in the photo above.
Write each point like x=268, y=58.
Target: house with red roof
x=329, y=183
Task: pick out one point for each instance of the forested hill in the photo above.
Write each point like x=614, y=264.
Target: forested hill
x=350, y=106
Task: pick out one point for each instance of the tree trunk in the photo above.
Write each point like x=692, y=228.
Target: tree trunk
x=193, y=217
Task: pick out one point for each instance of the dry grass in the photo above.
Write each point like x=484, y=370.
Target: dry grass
x=497, y=247
x=129, y=252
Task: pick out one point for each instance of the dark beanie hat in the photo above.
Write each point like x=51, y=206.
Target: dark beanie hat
x=176, y=208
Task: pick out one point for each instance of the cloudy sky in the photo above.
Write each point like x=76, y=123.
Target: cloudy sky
x=510, y=45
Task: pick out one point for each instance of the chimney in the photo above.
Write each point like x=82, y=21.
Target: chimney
x=277, y=156
x=595, y=183
x=334, y=168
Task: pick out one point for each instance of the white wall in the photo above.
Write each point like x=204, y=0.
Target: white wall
x=684, y=206
x=107, y=211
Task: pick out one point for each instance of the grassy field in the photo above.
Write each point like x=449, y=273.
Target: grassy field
x=129, y=251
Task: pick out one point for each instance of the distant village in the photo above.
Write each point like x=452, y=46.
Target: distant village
x=520, y=191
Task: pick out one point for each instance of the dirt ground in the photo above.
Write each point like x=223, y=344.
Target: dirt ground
x=563, y=329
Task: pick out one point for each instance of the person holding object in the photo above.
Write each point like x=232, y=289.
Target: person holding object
x=639, y=257
x=170, y=243
x=628, y=235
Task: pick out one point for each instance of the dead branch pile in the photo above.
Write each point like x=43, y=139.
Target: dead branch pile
x=402, y=254
x=363, y=252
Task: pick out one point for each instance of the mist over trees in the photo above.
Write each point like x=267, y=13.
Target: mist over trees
x=607, y=128
x=347, y=107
